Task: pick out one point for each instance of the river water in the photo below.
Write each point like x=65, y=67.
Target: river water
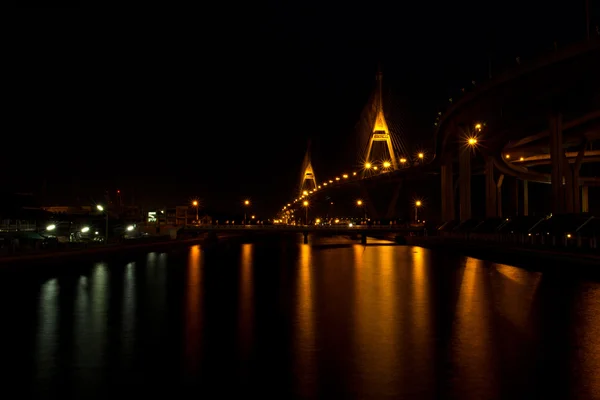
x=281, y=319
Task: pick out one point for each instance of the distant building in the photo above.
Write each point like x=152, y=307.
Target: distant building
x=178, y=215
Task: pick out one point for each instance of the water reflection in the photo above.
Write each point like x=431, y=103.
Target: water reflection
x=377, y=320
x=193, y=312
x=421, y=310
x=321, y=321
x=128, y=317
x=472, y=343
x=47, y=334
x=246, y=306
x=587, y=342
x=305, y=325
x=514, y=291
x=90, y=327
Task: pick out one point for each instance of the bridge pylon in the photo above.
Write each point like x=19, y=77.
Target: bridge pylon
x=307, y=179
x=381, y=132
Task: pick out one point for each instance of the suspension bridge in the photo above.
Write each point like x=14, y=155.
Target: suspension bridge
x=537, y=125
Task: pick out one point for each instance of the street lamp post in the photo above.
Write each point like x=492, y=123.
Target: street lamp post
x=361, y=204
x=417, y=205
x=195, y=204
x=246, y=204
x=306, y=213
x=100, y=208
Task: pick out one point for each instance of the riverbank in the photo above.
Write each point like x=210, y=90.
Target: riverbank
x=561, y=260
x=103, y=250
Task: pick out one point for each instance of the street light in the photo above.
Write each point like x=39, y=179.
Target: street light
x=417, y=205
x=306, y=208
x=368, y=165
x=246, y=203
x=100, y=208
x=386, y=164
x=195, y=204
x=360, y=204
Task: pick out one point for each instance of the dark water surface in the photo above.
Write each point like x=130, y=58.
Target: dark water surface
x=286, y=320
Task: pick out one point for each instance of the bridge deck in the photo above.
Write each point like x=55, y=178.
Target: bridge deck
x=363, y=229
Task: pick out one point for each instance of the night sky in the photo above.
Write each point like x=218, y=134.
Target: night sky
x=219, y=103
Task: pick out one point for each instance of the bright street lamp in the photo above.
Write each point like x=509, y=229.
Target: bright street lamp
x=305, y=204
x=246, y=203
x=100, y=208
x=417, y=205
x=361, y=204
x=195, y=204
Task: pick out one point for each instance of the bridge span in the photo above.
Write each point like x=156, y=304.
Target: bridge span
x=362, y=231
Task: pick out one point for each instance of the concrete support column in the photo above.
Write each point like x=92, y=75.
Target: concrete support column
x=525, y=198
x=556, y=160
x=499, y=195
x=585, y=207
x=447, y=191
x=515, y=197
x=574, y=186
x=491, y=209
x=571, y=179
x=464, y=171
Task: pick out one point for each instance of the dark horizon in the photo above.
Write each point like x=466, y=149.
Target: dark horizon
x=169, y=111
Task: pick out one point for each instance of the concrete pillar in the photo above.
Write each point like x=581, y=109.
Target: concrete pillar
x=491, y=209
x=573, y=188
x=584, y=200
x=447, y=191
x=525, y=198
x=305, y=237
x=557, y=156
x=499, y=195
x=571, y=178
x=464, y=172
x=515, y=197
